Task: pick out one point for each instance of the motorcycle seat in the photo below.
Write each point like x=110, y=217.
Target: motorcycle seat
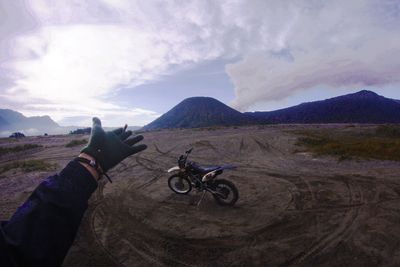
x=205, y=169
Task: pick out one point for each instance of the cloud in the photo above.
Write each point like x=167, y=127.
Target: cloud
x=81, y=53
x=83, y=59
x=75, y=68
x=332, y=44
x=261, y=77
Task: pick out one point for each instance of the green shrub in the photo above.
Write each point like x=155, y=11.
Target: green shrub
x=76, y=143
x=388, y=130
x=346, y=146
x=14, y=149
x=311, y=141
x=28, y=166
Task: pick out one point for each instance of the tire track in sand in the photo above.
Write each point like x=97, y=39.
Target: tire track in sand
x=340, y=233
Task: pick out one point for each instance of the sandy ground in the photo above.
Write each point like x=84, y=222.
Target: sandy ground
x=294, y=209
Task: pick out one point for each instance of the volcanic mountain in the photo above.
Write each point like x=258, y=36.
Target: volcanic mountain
x=196, y=112
x=361, y=107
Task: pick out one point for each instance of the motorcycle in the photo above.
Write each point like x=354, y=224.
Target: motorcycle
x=190, y=175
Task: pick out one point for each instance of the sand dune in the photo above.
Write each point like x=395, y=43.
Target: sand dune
x=294, y=209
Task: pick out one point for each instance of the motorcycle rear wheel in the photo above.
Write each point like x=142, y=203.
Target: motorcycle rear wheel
x=228, y=192
x=179, y=184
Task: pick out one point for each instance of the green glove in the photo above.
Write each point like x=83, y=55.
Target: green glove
x=110, y=148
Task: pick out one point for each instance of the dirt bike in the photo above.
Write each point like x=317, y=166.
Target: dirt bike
x=190, y=175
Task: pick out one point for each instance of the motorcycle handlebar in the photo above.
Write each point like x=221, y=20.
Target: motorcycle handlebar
x=184, y=157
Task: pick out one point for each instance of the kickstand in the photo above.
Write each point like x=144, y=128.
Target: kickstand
x=202, y=196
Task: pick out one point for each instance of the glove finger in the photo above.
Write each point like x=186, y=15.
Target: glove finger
x=96, y=122
x=136, y=149
x=125, y=135
x=118, y=131
x=133, y=140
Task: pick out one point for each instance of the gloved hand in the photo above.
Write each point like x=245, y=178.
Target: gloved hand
x=110, y=148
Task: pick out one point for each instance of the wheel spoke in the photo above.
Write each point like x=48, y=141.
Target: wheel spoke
x=227, y=193
x=179, y=184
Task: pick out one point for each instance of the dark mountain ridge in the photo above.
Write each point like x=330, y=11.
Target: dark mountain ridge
x=361, y=107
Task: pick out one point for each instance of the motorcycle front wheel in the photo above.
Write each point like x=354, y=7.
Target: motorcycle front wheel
x=226, y=193
x=179, y=184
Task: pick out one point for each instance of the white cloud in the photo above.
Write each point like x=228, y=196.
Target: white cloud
x=86, y=60
x=84, y=51
x=332, y=44
x=268, y=77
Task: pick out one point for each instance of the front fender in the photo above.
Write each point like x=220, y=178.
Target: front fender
x=176, y=168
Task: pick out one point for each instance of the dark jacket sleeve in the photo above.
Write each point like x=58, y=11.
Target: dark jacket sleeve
x=42, y=230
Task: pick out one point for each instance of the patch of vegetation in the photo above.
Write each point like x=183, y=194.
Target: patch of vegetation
x=389, y=130
x=17, y=135
x=19, y=148
x=28, y=166
x=384, y=144
x=76, y=143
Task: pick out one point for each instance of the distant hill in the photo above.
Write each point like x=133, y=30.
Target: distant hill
x=11, y=120
x=361, y=107
x=3, y=123
x=199, y=112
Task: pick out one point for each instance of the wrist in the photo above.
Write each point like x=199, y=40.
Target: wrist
x=95, y=172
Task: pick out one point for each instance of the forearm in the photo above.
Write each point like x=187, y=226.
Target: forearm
x=44, y=227
x=95, y=173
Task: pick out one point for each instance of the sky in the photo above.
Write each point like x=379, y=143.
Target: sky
x=131, y=61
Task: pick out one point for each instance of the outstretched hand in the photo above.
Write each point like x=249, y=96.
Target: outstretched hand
x=110, y=148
